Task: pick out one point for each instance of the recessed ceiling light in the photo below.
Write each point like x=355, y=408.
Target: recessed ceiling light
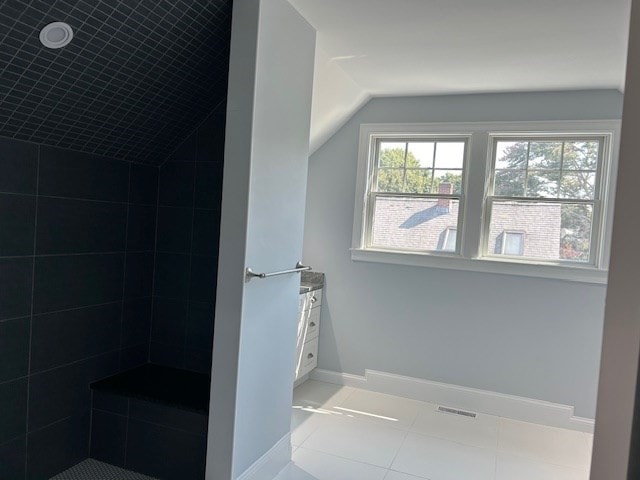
x=56, y=35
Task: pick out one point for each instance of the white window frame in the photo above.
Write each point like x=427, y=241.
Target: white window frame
x=503, y=246
x=471, y=254
x=372, y=179
x=445, y=240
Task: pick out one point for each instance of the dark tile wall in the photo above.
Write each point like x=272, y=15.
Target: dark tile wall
x=164, y=442
x=77, y=235
x=189, y=199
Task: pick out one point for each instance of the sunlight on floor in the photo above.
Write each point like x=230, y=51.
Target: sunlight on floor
x=343, y=433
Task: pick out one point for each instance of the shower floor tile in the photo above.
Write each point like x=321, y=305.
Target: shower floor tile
x=94, y=470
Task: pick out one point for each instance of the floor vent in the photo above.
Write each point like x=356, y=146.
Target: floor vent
x=455, y=411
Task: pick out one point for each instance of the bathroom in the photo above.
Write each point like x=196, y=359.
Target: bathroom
x=173, y=168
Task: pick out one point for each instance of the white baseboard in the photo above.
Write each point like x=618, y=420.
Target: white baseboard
x=464, y=398
x=301, y=380
x=271, y=463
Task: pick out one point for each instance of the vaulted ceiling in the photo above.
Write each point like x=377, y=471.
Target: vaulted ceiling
x=434, y=47
x=138, y=76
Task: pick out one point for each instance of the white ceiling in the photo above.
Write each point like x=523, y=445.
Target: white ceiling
x=418, y=47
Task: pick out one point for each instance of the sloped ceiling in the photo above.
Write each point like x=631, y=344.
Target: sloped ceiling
x=437, y=47
x=335, y=98
x=137, y=78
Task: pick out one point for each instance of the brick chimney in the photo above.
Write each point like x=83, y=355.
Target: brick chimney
x=445, y=189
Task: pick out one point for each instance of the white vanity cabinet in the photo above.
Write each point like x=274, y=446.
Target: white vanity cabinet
x=308, y=331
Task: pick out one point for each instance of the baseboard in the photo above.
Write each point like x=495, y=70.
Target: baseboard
x=301, y=380
x=271, y=463
x=481, y=401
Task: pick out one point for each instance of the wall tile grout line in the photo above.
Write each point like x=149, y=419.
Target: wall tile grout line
x=43, y=427
x=75, y=362
x=193, y=221
x=82, y=307
x=126, y=432
x=197, y=129
x=78, y=199
x=169, y=252
x=124, y=269
x=47, y=255
x=13, y=319
x=155, y=261
x=90, y=423
x=33, y=282
x=84, y=152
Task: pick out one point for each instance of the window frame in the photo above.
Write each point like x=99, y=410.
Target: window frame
x=471, y=254
x=503, y=243
x=599, y=201
x=445, y=240
x=371, y=196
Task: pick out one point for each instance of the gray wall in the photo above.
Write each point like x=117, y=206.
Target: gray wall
x=530, y=337
x=266, y=157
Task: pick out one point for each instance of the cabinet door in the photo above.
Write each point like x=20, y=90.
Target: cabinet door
x=309, y=357
x=313, y=324
x=310, y=300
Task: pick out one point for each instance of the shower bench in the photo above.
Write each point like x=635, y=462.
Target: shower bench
x=153, y=420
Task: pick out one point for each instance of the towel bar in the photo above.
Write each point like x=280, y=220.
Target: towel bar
x=299, y=268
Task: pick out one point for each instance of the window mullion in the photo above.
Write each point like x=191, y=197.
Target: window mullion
x=471, y=224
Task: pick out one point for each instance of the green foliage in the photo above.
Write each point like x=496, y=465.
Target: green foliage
x=394, y=176
x=544, y=159
x=448, y=177
x=556, y=169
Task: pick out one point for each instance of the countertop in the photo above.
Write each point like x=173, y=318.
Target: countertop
x=311, y=281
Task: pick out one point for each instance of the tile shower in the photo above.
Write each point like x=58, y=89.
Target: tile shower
x=110, y=183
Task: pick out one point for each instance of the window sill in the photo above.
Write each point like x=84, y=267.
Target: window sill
x=486, y=265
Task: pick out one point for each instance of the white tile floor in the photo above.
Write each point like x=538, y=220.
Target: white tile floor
x=342, y=433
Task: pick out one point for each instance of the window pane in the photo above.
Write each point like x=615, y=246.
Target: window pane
x=550, y=231
x=545, y=155
x=511, y=155
x=581, y=155
x=447, y=182
x=578, y=185
x=449, y=241
x=392, y=154
x=420, y=154
x=577, y=222
x=513, y=243
x=418, y=181
x=510, y=183
x=390, y=180
x=412, y=223
x=543, y=184
x=449, y=155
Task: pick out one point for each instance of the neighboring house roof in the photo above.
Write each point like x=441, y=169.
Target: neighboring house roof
x=421, y=224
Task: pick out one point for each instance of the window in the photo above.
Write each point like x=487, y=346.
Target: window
x=521, y=198
x=546, y=188
x=510, y=243
x=415, y=193
x=449, y=240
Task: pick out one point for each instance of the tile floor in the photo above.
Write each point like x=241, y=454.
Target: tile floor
x=91, y=469
x=342, y=433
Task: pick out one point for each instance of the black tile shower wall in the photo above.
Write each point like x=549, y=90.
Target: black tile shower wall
x=148, y=437
x=77, y=236
x=186, y=265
